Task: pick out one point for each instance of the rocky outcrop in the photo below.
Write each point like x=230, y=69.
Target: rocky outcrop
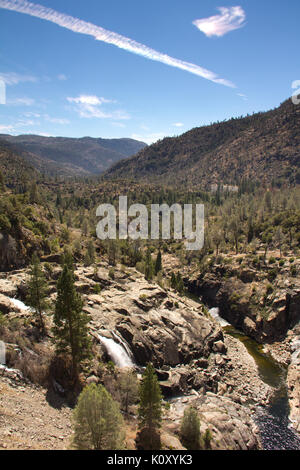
x=245, y=302
x=229, y=424
x=157, y=325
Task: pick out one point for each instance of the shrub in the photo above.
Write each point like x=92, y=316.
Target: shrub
x=272, y=274
x=190, y=429
x=98, y=423
x=293, y=271
x=111, y=273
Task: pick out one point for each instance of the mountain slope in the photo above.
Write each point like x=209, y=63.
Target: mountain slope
x=15, y=169
x=70, y=156
x=264, y=147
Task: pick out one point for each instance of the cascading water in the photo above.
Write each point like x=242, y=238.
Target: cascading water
x=117, y=352
x=19, y=304
x=215, y=313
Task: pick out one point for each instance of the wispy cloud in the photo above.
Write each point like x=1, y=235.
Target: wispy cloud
x=243, y=96
x=21, y=101
x=90, y=106
x=62, y=77
x=13, y=78
x=4, y=129
x=56, y=120
x=109, y=37
x=230, y=18
x=178, y=124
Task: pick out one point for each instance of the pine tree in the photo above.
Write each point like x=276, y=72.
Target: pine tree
x=128, y=388
x=2, y=186
x=149, y=268
x=158, y=263
x=98, y=423
x=173, y=281
x=150, y=407
x=70, y=323
x=37, y=290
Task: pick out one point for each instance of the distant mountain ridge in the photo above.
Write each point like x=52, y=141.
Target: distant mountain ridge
x=72, y=156
x=264, y=147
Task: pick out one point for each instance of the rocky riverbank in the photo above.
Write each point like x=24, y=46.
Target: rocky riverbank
x=193, y=356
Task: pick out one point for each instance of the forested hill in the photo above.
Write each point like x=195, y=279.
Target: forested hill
x=263, y=146
x=15, y=170
x=71, y=156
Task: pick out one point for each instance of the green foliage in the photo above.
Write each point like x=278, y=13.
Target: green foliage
x=190, y=429
x=37, y=290
x=149, y=268
x=98, y=423
x=150, y=406
x=70, y=323
x=128, y=388
x=111, y=273
x=158, y=263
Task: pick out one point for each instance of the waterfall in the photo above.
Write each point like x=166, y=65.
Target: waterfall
x=117, y=352
x=214, y=312
x=19, y=304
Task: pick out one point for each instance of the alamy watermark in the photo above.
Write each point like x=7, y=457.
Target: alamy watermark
x=135, y=222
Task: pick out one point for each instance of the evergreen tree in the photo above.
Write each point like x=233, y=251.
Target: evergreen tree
x=33, y=194
x=149, y=268
x=150, y=406
x=70, y=323
x=98, y=423
x=158, y=263
x=128, y=388
x=179, y=283
x=173, y=281
x=2, y=186
x=37, y=290
x=190, y=429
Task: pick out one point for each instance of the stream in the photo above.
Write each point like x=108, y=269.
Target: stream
x=273, y=422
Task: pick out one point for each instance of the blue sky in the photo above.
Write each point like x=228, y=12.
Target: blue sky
x=211, y=60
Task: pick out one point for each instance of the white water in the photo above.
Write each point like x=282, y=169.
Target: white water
x=19, y=304
x=117, y=352
x=214, y=312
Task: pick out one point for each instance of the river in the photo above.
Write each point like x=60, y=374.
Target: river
x=273, y=422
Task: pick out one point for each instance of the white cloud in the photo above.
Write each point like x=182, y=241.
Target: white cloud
x=149, y=138
x=89, y=106
x=230, y=18
x=21, y=102
x=61, y=121
x=109, y=37
x=243, y=96
x=178, y=124
x=62, y=77
x=13, y=78
x=4, y=129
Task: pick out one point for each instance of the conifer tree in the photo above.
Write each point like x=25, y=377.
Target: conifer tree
x=37, y=290
x=149, y=268
x=150, y=406
x=1, y=181
x=158, y=263
x=70, y=323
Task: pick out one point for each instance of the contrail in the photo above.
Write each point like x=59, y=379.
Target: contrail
x=101, y=34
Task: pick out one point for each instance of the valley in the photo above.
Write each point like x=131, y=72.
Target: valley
x=219, y=325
